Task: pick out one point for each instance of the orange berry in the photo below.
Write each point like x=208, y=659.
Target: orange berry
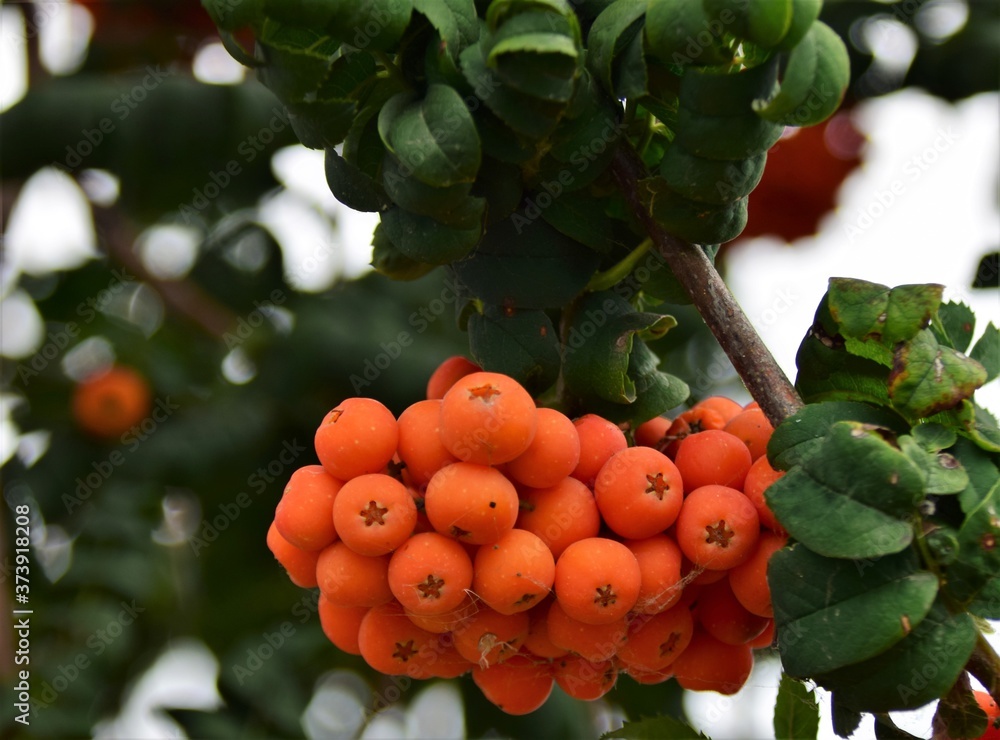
x=444, y=661
x=726, y=408
x=447, y=374
x=109, y=403
x=639, y=492
x=489, y=637
x=595, y=642
x=717, y=528
x=430, y=574
x=753, y=429
x=391, y=644
x=584, y=679
x=298, y=563
x=304, y=515
x=654, y=642
x=514, y=573
x=597, y=580
x=986, y=703
x=448, y=621
x=560, y=515
x=766, y=638
x=341, y=624
x=349, y=579
x=537, y=642
x=374, y=514
x=517, y=686
x=749, y=580
x=473, y=503
x=359, y=436
x=487, y=418
x=648, y=678
x=552, y=455
x=659, y=560
x=420, y=446
x=709, y=665
x=653, y=433
x=696, y=419
x=599, y=440
x=759, y=479
x=724, y=618
x=712, y=457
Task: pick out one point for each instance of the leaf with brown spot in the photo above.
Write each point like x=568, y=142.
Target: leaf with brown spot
x=927, y=377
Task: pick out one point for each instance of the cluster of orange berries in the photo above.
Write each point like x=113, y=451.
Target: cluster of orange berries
x=478, y=532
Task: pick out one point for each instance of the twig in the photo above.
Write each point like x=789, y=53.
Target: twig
x=761, y=375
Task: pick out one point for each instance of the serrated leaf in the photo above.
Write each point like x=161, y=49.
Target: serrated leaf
x=522, y=344
x=434, y=137
x=296, y=60
x=978, y=559
x=955, y=325
x=867, y=310
x=900, y=677
x=928, y=377
x=663, y=727
x=796, y=711
x=834, y=613
x=987, y=351
x=798, y=436
x=351, y=186
x=960, y=713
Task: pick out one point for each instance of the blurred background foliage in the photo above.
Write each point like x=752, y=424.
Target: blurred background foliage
x=142, y=542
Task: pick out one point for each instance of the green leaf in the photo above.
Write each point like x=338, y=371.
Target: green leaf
x=658, y=281
x=978, y=559
x=415, y=196
x=955, y=325
x=392, y=263
x=833, y=613
x=230, y=16
x=796, y=712
x=987, y=352
x=351, y=186
x=671, y=26
x=933, y=436
x=376, y=24
x=455, y=21
x=525, y=263
x=611, y=32
x=928, y=377
x=915, y=670
x=520, y=343
x=886, y=729
x=716, y=181
x=943, y=473
x=798, y=436
x=693, y=221
x=296, y=60
x=583, y=217
x=828, y=372
x=815, y=81
x=867, y=310
x=719, y=92
x=663, y=727
x=599, y=343
x=845, y=719
x=423, y=239
x=321, y=124
x=434, y=137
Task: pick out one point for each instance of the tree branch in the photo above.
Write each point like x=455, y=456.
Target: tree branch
x=761, y=375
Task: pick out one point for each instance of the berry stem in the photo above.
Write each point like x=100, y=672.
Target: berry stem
x=761, y=375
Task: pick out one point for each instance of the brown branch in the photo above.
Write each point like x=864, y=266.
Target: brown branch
x=761, y=375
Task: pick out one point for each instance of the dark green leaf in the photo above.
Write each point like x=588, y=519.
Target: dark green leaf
x=631, y=75
x=230, y=16
x=866, y=310
x=321, y=124
x=827, y=372
x=671, y=29
x=612, y=31
x=434, y=137
x=885, y=729
x=933, y=436
x=833, y=613
x=955, y=325
x=663, y=727
x=658, y=281
x=986, y=603
x=987, y=351
x=423, y=239
x=351, y=186
x=917, y=669
x=978, y=559
x=455, y=20
x=392, y=263
x=928, y=377
x=599, y=343
x=296, y=60
x=583, y=217
x=520, y=343
x=799, y=435
x=943, y=473
x=377, y=24
x=525, y=263
x=415, y=196
x=796, y=712
x=845, y=719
